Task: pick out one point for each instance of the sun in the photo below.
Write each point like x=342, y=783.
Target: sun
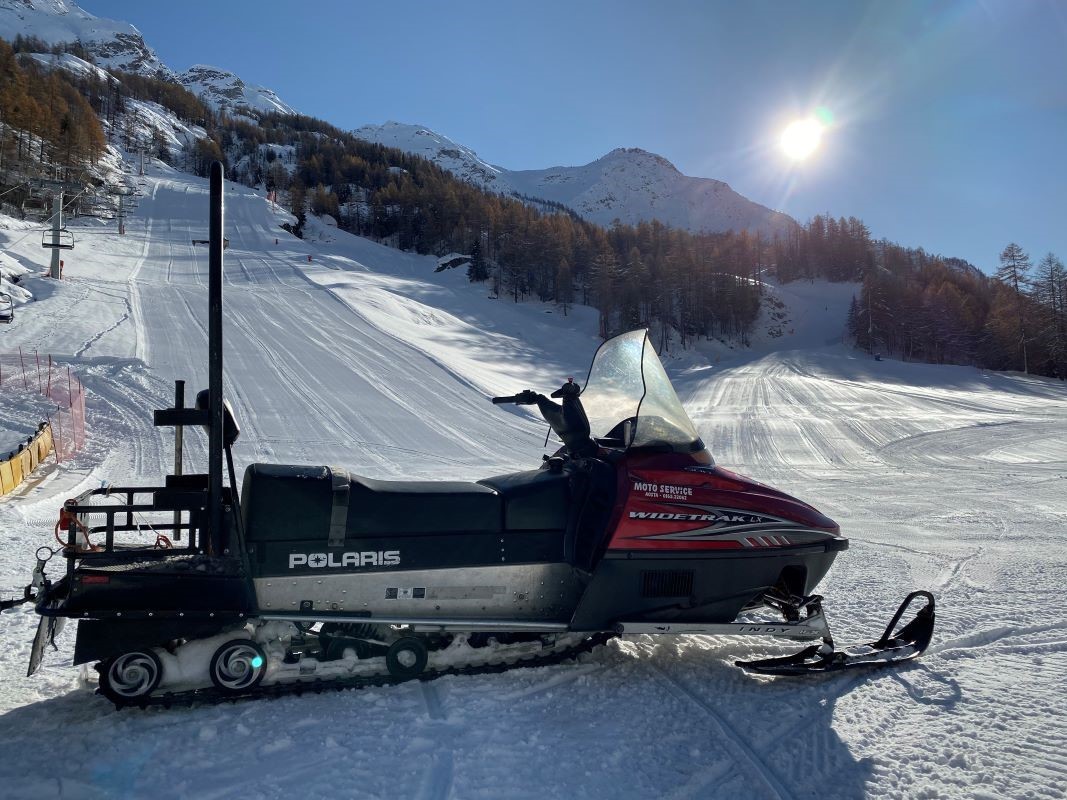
x=801, y=138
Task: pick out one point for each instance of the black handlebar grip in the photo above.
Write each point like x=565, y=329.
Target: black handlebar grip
x=523, y=398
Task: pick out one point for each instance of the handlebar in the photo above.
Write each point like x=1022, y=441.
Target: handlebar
x=525, y=398
x=568, y=419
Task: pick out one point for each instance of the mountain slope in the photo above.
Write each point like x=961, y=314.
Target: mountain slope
x=633, y=185
x=628, y=184
x=119, y=45
x=113, y=44
x=227, y=92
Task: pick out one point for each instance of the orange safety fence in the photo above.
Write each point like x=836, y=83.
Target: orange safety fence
x=34, y=372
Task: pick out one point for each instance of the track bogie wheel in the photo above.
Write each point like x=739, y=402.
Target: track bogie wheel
x=406, y=657
x=237, y=666
x=131, y=677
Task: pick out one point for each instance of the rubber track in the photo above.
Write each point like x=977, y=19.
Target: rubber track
x=214, y=696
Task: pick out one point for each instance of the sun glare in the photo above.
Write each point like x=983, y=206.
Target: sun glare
x=801, y=138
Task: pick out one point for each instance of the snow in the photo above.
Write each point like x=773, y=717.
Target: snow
x=225, y=91
x=21, y=412
x=76, y=66
x=12, y=271
x=633, y=185
x=148, y=118
x=627, y=184
x=446, y=153
x=944, y=478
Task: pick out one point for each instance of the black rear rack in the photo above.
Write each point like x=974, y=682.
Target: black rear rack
x=183, y=532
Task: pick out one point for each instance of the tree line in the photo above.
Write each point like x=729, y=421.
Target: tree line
x=48, y=127
x=931, y=308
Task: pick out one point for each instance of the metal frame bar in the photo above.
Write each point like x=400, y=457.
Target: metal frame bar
x=215, y=407
x=430, y=625
x=814, y=627
x=129, y=508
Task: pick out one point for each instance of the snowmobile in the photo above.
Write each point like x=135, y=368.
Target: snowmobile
x=313, y=577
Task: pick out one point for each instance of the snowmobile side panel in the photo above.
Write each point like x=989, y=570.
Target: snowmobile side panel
x=443, y=550
x=695, y=586
x=528, y=591
x=199, y=584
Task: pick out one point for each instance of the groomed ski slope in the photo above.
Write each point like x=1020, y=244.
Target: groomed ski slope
x=943, y=477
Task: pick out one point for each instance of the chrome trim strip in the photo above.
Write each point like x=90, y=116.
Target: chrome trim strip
x=429, y=624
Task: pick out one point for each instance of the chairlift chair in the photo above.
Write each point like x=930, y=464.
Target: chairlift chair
x=57, y=240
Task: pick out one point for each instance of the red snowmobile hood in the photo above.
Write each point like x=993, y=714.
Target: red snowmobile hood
x=761, y=492
x=678, y=480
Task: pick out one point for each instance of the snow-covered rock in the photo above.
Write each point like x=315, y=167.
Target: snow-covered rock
x=446, y=153
x=628, y=184
x=72, y=64
x=227, y=92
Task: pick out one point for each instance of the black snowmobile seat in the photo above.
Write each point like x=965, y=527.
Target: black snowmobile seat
x=537, y=500
x=296, y=503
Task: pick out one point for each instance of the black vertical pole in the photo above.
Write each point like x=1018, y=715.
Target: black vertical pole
x=215, y=360
x=179, y=403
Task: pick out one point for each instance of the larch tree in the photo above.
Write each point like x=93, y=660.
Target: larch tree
x=1049, y=290
x=1014, y=266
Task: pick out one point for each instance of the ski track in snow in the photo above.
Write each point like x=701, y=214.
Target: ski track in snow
x=734, y=741
x=943, y=478
x=437, y=780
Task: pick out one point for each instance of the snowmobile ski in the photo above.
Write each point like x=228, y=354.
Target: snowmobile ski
x=893, y=647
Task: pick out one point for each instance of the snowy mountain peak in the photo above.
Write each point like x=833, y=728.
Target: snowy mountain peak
x=227, y=92
x=113, y=44
x=45, y=6
x=639, y=157
x=628, y=184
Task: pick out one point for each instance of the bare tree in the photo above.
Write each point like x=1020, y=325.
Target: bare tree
x=1014, y=266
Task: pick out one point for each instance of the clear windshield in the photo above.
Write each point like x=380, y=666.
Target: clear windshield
x=629, y=398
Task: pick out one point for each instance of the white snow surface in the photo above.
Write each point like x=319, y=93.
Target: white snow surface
x=77, y=66
x=944, y=478
x=227, y=92
x=628, y=184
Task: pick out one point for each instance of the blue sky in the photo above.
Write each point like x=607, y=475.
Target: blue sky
x=949, y=123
